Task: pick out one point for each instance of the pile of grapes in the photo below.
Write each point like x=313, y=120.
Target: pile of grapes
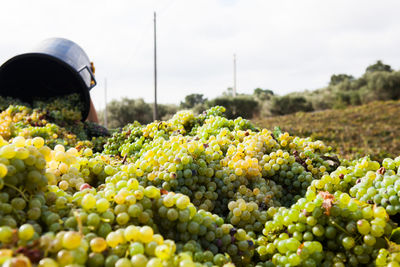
x=191, y=191
x=56, y=120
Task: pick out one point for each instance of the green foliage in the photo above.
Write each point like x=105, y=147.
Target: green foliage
x=128, y=110
x=379, y=82
x=243, y=105
x=124, y=111
x=378, y=66
x=347, y=98
x=381, y=85
x=192, y=100
x=228, y=92
x=290, y=104
x=166, y=111
x=263, y=94
x=338, y=78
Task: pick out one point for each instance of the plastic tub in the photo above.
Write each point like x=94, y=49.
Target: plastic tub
x=56, y=67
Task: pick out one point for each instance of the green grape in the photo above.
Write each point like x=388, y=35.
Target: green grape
x=136, y=248
x=189, y=191
x=71, y=240
x=26, y=232
x=5, y=234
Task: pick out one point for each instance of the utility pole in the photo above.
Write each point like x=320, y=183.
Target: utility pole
x=155, y=70
x=105, y=100
x=234, y=75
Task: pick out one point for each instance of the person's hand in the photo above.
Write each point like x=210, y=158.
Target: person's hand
x=92, y=116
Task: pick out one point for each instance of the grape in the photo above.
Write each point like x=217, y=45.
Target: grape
x=95, y=259
x=5, y=234
x=132, y=233
x=136, y=248
x=98, y=244
x=26, y=232
x=139, y=260
x=146, y=234
x=3, y=170
x=348, y=242
x=47, y=262
x=71, y=240
x=88, y=202
x=123, y=262
x=363, y=226
x=189, y=191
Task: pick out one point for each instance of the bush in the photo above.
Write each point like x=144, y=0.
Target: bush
x=339, y=78
x=192, y=100
x=243, y=105
x=128, y=110
x=166, y=111
x=379, y=66
x=290, y=104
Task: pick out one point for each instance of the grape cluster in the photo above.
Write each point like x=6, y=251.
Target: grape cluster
x=386, y=258
x=218, y=157
x=191, y=191
x=57, y=120
x=379, y=185
x=368, y=181
x=324, y=230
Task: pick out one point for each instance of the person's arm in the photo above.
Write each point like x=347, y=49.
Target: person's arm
x=92, y=113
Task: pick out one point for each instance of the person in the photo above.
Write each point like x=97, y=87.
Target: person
x=92, y=116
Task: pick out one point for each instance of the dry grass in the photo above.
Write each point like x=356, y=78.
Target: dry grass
x=372, y=129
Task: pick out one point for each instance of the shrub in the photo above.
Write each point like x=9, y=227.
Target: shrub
x=243, y=105
x=290, y=104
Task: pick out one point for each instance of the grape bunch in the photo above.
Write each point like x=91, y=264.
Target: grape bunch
x=387, y=258
x=325, y=230
x=57, y=120
x=380, y=185
x=195, y=190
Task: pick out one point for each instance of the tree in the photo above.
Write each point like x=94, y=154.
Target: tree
x=338, y=78
x=381, y=86
x=166, y=111
x=243, y=105
x=290, y=104
x=228, y=92
x=263, y=94
x=124, y=111
x=378, y=66
x=193, y=100
x=128, y=110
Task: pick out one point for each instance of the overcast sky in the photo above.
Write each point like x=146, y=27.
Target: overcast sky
x=280, y=45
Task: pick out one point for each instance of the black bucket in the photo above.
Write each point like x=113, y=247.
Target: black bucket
x=56, y=67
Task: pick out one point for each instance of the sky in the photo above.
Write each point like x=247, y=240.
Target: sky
x=283, y=45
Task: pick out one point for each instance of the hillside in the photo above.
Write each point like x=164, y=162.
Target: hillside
x=372, y=129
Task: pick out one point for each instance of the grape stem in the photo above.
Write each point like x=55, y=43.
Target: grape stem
x=78, y=219
x=124, y=159
x=340, y=228
x=18, y=190
x=357, y=239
